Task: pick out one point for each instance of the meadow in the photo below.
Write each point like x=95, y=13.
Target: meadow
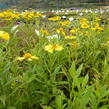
x=57, y=59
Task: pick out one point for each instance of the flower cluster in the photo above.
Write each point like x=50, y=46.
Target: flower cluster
x=4, y=35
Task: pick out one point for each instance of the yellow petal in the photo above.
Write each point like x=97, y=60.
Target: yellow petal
x=70, y=37
x=58, y=48
x=49, y=48
x=20, y=58
x=29, y=59
x=27, y=55
x=34, y=57
x=4, y=35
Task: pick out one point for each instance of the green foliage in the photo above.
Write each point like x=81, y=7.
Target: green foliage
x=75, y=77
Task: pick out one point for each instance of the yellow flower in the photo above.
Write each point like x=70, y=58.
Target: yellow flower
x=73, y=30
x=27, y=56
x=53, y=47
x=1, y=15
x=35, y=14
x=4, y=35
x=83, y=20
x=97, y=19
x=95, y=24
x=70, y=37
x=27, y=15
x=45, y=32
x=99, y=29
x=60, y=31
x=84, y=25
x=56, y=18
x=20, y=58
x=16, y=15
x=30, y=15
x=65, y=23
x=74, y=44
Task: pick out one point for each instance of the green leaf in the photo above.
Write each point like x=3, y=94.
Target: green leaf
x=104, y=107
x=11, y=107
x=2, y=99
x=61, y=82
x=72, y=70
x=78, y=72
x=85, y=80
x=85, y=99
x=59, y=102
x=56, y=71
x=47, y=107
x=104, y=94
x=29, y=77
x=75, y=73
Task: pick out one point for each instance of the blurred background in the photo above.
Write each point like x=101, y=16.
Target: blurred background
x=51, y=4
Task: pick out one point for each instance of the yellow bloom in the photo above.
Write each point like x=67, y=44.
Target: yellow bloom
x=56, y=18
x=27, y=15
x=45, y=32
x=65, y=23
x=84, y=25
x=95, y=24
x=74, y=44
x=98, y=28
x=4, y=35
x=83, y=20
x=16, y=15
x=27, y=56
x=70, y=37
x=53, y=47
x=97, y=19
x=20, y=58
x=30, y=15
x=73, y=30
x=60, y=31
x=35, y=14
x=1, y=15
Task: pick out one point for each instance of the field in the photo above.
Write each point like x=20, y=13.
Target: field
x=56, y=59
